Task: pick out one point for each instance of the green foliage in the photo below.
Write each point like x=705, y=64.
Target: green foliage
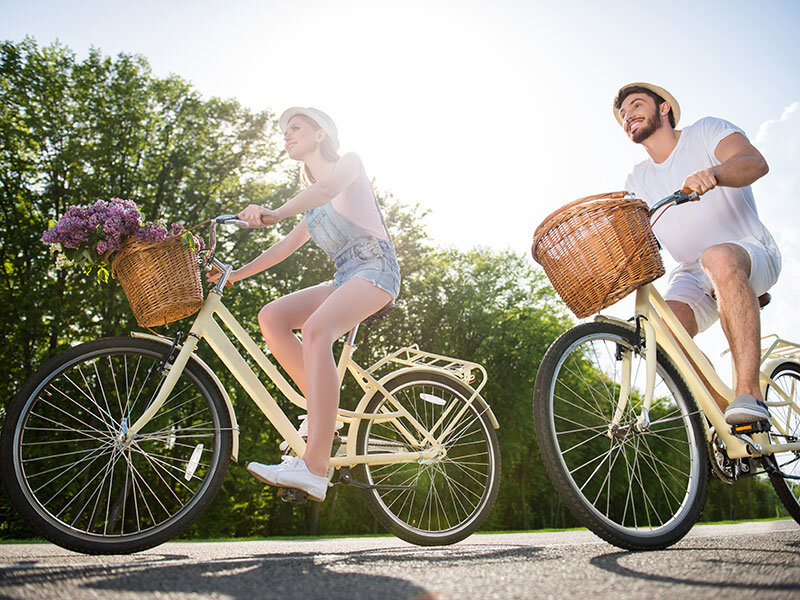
x=72, y=132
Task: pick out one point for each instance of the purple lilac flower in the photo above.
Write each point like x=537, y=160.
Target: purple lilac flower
x=155, y=231
x=102, y=228
x=103, y=224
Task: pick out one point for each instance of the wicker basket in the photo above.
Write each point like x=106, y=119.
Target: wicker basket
x=584, y=247
x=160, y=279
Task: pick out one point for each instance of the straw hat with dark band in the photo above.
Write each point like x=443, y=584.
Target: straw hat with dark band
x=676, y=109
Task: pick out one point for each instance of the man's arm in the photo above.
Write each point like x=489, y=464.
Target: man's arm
x=740, y=165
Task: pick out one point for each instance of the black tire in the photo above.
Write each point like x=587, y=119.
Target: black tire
x=452, y=496
x=76, y=484
x=787, y=376
x=648, y=488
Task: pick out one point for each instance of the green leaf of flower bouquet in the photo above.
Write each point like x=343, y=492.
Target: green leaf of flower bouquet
x=102, y=273
x=188, y=240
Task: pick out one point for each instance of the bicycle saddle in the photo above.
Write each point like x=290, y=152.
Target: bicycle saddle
x=378, y=315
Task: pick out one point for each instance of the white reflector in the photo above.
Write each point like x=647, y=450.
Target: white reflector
x=432, y=399
x=191, y=466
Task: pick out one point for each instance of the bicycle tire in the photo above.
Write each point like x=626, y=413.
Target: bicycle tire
x=574, y=401
x=787, y=376
x=459, y=490
x=69, y=475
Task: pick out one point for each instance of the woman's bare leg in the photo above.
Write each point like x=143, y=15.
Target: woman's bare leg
x=281, y=318
x=350, y=304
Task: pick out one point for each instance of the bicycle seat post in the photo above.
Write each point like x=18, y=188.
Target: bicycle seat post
x=351, y=337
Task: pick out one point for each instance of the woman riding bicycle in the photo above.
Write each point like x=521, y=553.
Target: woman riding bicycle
x=341, y=214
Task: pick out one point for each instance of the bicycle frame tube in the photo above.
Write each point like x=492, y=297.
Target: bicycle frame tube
x=206, y=327
x=663, y=329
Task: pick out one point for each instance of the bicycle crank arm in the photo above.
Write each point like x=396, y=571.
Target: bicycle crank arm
x=346, y=479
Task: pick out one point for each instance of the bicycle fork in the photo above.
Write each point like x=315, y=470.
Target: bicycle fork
x=649, y=351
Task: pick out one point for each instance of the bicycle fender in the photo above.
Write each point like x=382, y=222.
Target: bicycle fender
x=770, y=365
x=234, y=424
x=362, y=405
x=615, y=321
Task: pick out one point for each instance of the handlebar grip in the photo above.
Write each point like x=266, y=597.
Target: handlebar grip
x=682, y=197
x=263, y=222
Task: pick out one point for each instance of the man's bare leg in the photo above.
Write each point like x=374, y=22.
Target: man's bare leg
x=686, y=317
x=728, y=266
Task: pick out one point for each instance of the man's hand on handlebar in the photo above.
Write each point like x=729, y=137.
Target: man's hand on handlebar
x=258, y=216
x=700, y=182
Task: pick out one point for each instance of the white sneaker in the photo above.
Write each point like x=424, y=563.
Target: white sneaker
x=291, y=473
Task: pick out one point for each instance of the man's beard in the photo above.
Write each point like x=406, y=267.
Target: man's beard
x=647, y=128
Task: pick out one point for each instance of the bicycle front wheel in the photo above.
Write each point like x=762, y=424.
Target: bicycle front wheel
x=442, y=500
x=637, y=488
x=71, y=476
x=786, y=428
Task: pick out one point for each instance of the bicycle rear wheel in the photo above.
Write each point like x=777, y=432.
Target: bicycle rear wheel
x=637, y=489
x=787, y=377
x=75, y=482
x=446, y=499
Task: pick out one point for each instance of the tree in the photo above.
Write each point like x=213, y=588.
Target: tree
x=73, y=132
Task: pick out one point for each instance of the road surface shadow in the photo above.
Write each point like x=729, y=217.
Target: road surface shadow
x=710, y=568
x=284, y=576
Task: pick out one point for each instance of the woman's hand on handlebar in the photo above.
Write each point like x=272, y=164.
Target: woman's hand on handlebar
x=700, y=182
x=214, y=274
x=258, y=216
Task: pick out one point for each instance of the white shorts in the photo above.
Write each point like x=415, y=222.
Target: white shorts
x=689, y=284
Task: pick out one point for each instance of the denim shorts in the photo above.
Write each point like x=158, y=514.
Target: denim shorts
x=372, y=259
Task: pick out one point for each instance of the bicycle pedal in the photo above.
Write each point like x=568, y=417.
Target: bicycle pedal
x=292, y=495
x=749, y=428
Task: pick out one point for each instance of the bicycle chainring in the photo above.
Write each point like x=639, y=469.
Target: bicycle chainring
x=724, y=468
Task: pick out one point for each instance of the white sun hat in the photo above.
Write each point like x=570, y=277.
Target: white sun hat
x=676, y=109
x=323, y=120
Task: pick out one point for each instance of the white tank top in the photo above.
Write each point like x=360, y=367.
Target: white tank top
x=357, y=203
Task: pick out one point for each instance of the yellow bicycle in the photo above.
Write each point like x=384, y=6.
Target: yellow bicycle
x=629, y=430
x=118, y=444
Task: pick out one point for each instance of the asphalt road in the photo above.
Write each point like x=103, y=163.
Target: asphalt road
x=746, y=560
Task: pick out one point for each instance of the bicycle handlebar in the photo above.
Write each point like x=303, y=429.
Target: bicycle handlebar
x=679, y=197
x=208, y=261
x=212, y=233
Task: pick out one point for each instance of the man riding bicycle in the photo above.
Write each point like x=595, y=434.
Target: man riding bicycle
x=727, y=258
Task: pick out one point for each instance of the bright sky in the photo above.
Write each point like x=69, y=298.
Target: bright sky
x=490, y=114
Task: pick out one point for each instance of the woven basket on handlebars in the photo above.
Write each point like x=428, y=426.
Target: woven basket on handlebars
x=160, y=279
x=584, y=245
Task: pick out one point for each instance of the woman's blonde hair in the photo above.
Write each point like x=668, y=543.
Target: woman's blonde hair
x=326, y=147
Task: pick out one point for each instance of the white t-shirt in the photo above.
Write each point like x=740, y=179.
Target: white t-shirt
x=722, y=215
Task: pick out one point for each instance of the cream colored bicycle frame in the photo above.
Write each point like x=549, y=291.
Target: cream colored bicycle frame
x=659, y=324
x=206, y=327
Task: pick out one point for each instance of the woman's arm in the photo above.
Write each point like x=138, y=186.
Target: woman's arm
x=271, y=256
x=323, y=191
